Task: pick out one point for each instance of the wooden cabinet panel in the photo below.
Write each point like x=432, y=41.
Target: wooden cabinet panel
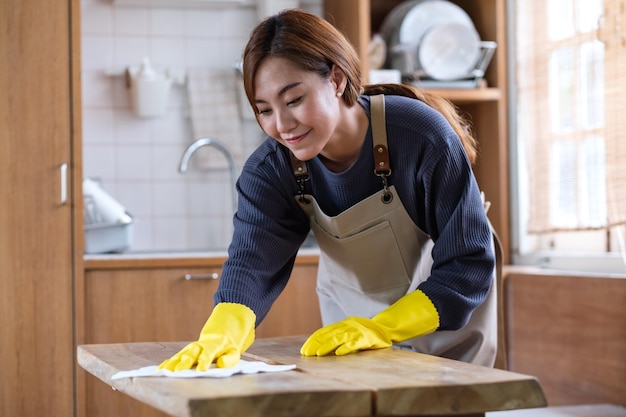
x=135, y=305
x=36, y=242
x=297, y=310
x=159, y=304
x=569, y=332
x=144, y=305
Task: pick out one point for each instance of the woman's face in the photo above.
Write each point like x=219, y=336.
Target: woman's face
x=298, y=108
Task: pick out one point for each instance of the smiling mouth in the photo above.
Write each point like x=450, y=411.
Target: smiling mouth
x=296, y=139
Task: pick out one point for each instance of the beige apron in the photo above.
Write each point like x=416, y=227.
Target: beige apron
x=373, y=253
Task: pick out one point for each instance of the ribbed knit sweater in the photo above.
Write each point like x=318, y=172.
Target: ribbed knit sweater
x=433, y=179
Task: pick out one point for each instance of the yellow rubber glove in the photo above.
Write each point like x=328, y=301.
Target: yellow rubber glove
x=411, y=316
x=228, y=332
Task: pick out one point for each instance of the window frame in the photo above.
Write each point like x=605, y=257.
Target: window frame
x=571, y=260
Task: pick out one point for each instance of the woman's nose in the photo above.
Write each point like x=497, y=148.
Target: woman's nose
x=285, y=122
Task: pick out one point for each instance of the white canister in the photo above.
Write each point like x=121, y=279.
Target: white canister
x=149, y=90
x=385, y=76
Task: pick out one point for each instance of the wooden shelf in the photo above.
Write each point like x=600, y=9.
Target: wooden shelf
x=469, y=96
x=485, y=107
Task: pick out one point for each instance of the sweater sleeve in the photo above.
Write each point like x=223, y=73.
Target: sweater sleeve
x=436, y=183
x=463, y=259
x=269, y=228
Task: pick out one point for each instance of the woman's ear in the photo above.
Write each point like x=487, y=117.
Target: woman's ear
x=338, y=79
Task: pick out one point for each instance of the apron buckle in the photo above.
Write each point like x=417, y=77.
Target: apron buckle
x=387, y=195
x=301, y=196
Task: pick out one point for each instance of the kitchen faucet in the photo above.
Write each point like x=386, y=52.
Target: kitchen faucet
x=197, y=144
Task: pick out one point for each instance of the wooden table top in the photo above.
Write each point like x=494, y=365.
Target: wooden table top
x=380, y=382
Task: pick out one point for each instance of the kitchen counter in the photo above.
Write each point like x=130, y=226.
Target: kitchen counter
x=381, y=382
x=171, y=259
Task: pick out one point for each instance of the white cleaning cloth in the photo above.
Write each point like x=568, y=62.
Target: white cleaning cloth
x=243, y=367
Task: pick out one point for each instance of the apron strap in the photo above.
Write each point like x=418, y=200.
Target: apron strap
x=301, y=172
x=382, y=167
x=299, y=168
x=379, y=131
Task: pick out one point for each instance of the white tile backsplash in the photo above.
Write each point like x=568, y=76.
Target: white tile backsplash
x=206, y=23
x=137, y=159
x=128, y=50
x=99, y=162
x=130, y=131
x=137, y=197
x=168, y=22
x=133, y=163
x=96, y=18
x=96, y=52
x=131, y=21
x=97, y=89
x=98, y=122
x=169, y=233
x=164, y=51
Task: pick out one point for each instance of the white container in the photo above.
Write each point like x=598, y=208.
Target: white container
x=385, y=76
x=108, y=238
x=108, y=227
x=149, y=90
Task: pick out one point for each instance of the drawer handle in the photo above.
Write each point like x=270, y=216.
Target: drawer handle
x=214, y=275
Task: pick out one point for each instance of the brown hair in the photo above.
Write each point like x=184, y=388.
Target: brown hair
x=315, y=45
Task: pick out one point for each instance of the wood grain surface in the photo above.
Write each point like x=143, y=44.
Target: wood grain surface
x=408, y=383
x=291, y=393
x=372, y=383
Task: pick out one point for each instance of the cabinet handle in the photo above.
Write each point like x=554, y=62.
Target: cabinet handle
x=214, y=275
x=63, y=183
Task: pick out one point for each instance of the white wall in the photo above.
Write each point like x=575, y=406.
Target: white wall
x=137, y=159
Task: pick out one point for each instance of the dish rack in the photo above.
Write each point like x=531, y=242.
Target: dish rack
x=107, y=225
x=415, y=76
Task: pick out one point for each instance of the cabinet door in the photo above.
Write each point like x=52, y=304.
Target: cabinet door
x=137, y=305
x=140, y=305
x=160, y=304
x=296, y=311
x=36, y=253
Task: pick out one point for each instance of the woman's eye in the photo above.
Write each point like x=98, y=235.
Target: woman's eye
x=294, y=101
x=263, y=111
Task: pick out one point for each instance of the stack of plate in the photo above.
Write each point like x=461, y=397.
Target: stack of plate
x=431, y=38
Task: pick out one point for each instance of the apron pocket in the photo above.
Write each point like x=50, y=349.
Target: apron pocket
x=361, y=251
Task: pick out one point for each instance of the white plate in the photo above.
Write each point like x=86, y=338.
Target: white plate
x=421, y=18
x=449, y=51
x=409, y=22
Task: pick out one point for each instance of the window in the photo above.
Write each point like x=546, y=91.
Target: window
x=569, y=102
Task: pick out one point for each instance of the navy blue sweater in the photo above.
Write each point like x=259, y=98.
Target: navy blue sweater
x=433, y=179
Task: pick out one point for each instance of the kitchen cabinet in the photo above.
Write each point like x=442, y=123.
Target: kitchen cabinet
x=297, y=310
x=141, y=301
x=38, y=265
x=485, y=107
x=142, y=304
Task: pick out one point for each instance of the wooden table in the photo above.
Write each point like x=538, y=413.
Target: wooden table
x=381, y=382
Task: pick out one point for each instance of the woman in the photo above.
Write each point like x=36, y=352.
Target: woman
x=406, y=256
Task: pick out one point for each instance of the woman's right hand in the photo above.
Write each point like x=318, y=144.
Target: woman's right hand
x=228, y=333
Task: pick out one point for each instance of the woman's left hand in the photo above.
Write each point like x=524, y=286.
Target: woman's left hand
x=411, y=316
x=349, y=335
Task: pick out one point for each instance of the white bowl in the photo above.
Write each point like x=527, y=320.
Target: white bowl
x=449, y=51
